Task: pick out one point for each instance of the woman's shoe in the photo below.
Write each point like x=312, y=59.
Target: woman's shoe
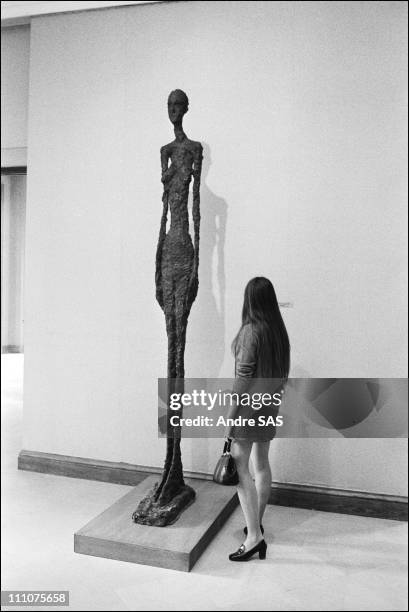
x=261, y=529
x=244, y=555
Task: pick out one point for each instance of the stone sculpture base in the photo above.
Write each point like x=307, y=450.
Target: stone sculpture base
x=113, y=535
x=149, y=512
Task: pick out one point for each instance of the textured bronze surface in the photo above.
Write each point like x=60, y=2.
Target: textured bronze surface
x=150, y=512
x=177, y=282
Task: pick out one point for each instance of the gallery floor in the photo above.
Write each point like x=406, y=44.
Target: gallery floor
x=315, y=560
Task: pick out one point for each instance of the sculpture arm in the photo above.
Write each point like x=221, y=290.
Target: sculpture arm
x=197, y=171
x=162, y=232
x=167, y=171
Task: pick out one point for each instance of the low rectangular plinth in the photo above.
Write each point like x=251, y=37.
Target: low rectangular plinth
x=113, y=535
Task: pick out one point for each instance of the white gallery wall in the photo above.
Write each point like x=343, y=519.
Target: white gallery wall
x=301, y=108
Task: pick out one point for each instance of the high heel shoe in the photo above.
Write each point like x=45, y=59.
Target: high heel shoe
x=261, y=529
x=244, y=555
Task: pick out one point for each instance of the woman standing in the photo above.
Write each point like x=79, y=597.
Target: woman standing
x=262, y=351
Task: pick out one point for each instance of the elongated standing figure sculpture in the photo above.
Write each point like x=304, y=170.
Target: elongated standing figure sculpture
x=177, y=262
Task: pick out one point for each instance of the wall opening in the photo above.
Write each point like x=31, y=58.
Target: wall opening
x=13, y=215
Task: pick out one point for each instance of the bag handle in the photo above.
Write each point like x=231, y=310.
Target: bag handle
x=227, y=446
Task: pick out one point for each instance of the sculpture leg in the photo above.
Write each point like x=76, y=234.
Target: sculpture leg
x=174, y=477
x=174, y=480
x=181, y=325
x=171, y=333
x=163, y=505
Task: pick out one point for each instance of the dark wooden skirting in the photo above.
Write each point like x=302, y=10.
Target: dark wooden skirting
x=79, y=467
x=344, y=502
x=14, y=170
x=373, y=505
x=12, y=348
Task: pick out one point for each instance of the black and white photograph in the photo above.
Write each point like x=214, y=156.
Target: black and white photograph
x=204, y=312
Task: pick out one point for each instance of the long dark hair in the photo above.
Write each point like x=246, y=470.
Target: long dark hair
x=262, y=312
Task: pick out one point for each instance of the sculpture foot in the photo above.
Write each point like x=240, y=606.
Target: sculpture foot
x=151, y=512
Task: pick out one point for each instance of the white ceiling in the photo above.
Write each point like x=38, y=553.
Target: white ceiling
x=14, y=13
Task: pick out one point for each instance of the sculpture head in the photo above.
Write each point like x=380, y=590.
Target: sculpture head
x=178, y=104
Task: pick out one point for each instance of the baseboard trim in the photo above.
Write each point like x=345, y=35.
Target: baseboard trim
x=375, y=505
x=12, y=348
x=81, y=467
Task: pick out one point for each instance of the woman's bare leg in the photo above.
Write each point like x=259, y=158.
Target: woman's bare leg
x=246, y=490
x=262, y=475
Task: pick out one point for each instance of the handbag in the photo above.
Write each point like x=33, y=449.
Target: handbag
x=225, y=472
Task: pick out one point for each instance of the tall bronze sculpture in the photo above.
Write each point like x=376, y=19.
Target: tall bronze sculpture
x=177, y=262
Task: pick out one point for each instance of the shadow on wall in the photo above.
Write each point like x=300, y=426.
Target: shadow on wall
x=205, y=343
